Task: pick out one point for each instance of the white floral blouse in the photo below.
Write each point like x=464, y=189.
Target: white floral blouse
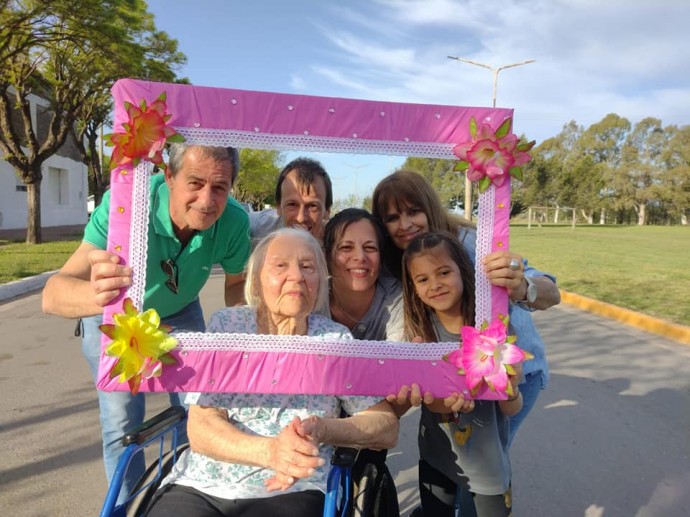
x=264, y=415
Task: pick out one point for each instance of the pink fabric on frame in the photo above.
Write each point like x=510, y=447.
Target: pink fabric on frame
x=266, y=114
x=291, y=114
x=269, y=372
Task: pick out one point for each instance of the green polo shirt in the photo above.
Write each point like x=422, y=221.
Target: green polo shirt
x=225, y=243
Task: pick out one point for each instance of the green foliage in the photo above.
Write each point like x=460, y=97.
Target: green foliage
x=351, y=201
x=620, y=172
x=69, y=53
x=256, y=183
x=449, y=184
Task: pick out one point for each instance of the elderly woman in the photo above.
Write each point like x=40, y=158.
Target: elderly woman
x=254, y=454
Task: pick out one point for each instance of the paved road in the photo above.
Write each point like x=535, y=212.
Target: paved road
x=610, y=437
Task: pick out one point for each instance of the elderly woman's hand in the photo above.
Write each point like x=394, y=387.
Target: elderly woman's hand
x=292, y=456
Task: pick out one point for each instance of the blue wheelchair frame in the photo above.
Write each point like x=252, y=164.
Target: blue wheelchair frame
x=168, y=425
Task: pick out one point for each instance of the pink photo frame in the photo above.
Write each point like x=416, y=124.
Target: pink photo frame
x=262, y=364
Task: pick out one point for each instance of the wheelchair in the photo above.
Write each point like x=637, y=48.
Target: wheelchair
x=344, y=497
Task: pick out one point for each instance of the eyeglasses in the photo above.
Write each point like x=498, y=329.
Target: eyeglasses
x=170, y=269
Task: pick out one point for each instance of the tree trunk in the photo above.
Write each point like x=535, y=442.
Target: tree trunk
x=683, y=219
x=642, y=214
x=588, y=215
x=33, y=202
x=602, y=216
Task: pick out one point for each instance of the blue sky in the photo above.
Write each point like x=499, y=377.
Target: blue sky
x=593, y=57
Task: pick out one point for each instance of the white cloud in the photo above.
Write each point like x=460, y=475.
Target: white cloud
x=592, y=57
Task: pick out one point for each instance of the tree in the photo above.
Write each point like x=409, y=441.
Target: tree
x=67, y=53
x=639, y=176
x=157, y=60
x=449, y=185
x=351, y=201
x=676, y=182
x=256, y=183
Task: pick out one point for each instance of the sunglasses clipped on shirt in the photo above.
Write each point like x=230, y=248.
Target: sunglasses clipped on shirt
x=170, y=269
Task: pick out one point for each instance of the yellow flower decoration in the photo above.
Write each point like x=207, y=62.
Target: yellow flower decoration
x=141, y=343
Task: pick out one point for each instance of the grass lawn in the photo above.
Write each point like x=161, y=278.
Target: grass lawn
x=641, y=268
x=19, y=260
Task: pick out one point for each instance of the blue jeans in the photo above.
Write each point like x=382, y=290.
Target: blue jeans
x=119, y=411
x=530, y=389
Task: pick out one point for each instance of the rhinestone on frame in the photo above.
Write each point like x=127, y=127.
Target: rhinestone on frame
x=211, y=382
x=331, y=110
x=499, y=244
x=348, y=386
x=291, y=107
x=233, y=101
x=118, y=247
x=121, y=209
x=501, y=205
x=196, y=124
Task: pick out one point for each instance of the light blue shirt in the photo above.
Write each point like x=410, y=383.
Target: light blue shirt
x=523, y=326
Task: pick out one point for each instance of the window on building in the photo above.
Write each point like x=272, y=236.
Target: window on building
x=19, y=185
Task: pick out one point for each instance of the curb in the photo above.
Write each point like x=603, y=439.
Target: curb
x=664, y=328
x=24, y=286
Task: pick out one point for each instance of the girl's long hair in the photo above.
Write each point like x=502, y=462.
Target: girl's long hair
x=404, y=189
x=418, y=321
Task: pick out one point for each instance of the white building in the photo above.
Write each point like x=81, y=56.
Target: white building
x=64, y=189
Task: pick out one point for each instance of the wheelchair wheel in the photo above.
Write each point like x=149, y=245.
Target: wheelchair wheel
x=151, y=480
x=374, y=492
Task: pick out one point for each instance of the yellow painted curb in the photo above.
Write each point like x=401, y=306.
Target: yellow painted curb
x=667, y=329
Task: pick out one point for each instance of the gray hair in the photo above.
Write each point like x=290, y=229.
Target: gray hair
x=252, y=286
x=176, y=154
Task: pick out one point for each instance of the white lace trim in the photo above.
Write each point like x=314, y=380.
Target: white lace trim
x=138, y=232
x=199, y=341
x=485, y=230
x=308, y=143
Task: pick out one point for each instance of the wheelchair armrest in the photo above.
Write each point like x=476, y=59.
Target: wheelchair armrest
x=160, y=423
x=344, y=456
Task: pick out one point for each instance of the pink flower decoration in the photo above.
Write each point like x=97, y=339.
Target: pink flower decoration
x=146, y=133
x=492, y=155
x=486, y=356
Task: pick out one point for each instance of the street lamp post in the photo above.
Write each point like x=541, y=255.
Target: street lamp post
x=495, y=71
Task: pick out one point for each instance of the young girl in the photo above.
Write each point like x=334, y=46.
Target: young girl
x=461, y=443
x=409, y=206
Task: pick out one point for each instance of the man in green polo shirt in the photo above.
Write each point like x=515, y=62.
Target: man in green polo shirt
x=193, y=224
